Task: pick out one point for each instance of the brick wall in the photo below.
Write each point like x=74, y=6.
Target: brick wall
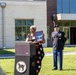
x=51, y=9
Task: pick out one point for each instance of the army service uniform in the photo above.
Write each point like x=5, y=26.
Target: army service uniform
x=58, y=39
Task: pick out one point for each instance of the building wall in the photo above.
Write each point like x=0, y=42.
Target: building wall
x=23, y=0
x=23, y=10
x=51, y=9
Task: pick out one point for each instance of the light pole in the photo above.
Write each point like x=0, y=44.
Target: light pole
x=3, y=5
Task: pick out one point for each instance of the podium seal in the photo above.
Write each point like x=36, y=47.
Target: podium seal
x=21, y=67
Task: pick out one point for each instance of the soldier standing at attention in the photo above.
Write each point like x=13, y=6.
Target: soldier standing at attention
x=58, y=39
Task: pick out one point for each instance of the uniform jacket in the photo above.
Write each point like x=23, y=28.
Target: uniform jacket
x=58, y=40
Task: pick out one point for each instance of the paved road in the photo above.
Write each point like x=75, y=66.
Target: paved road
x=46, y=54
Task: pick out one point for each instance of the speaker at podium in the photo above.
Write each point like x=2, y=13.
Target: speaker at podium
x=25, y=59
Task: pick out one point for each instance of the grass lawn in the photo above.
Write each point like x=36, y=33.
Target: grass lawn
x=7, y=65
x=48, y=49
x=69, y=66
x=7, y=51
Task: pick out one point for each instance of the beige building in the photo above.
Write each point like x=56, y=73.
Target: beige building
x=16, y=18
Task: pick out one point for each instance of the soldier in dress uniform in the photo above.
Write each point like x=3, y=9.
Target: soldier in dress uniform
x=58, y=40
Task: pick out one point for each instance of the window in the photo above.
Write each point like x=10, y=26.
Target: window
x=22, y=28
x=72, y=6
x=59, y=6
x=66, y=6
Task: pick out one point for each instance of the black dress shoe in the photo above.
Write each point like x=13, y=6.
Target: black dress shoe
x=60, y=69
x=54, y=69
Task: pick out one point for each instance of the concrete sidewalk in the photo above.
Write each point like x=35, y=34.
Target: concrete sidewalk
x=10, y=56
x=64, y=53
x=2, y=56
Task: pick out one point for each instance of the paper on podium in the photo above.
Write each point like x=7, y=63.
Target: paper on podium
x=39, y=35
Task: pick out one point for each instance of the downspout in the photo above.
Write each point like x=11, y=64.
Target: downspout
x=3, y=5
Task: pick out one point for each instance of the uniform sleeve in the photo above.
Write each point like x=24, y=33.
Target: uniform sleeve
x=64, y=38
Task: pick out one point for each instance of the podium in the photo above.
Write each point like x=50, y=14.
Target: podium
x=25, y=59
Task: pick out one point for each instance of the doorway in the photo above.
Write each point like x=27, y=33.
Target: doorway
x=67, y=33
x=72, y=35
